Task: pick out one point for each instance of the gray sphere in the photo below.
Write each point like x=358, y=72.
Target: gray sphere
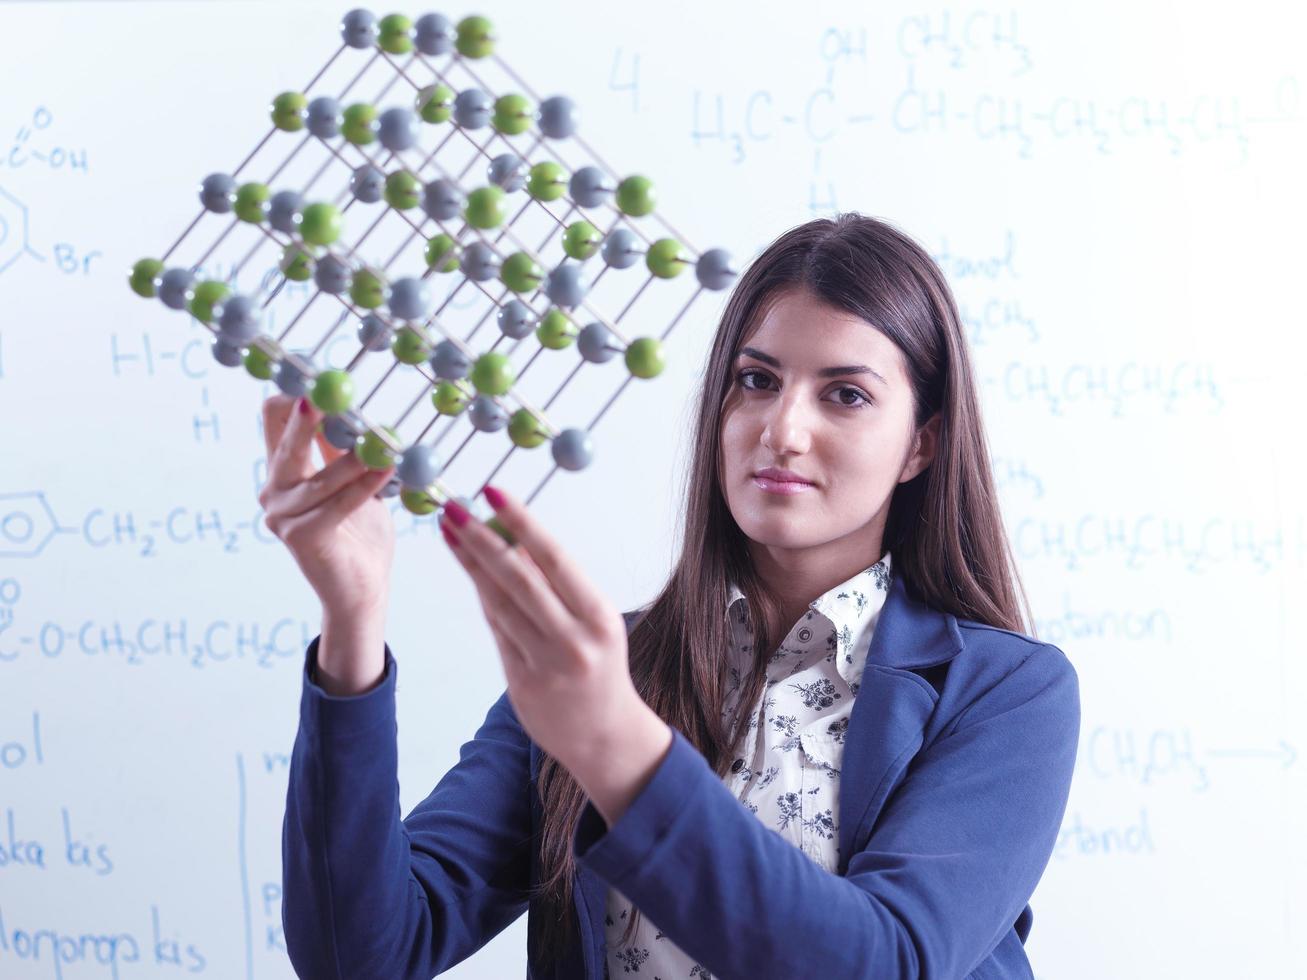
x=443, y=200
x=239, y=320
x=289, y=378
x=715, y=269
x=340, y=431
x=590, y=187
x=448, y=362
x=375, y=334
x=324, y=116
x=509, y=171
x=573, y=449
x=284, y=209
x=218, y=193
x=479, y=262
x=563, y=285
x=227, y=353
x=486, y=415
x=174, y=287
x=410, y=299
x=597, y=344
x=392, y=487
x=473, y=108
x=333, y=274
x=434, y=34
x=516, y=319
x=398, y=129
x=368, y=183
x=418, y=466
x=622, y=248
x=358, y=28
x=558, y=117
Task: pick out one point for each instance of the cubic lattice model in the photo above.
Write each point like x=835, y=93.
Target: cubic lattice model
x=458, y=196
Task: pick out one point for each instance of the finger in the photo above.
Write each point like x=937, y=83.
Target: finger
x=494, y=604
x=529, y=592
x=567, y=581
x=310, y=493
x=293, y=461
x=276, y=413
x=336, y=508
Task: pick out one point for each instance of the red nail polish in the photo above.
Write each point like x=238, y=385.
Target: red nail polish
x=456, y=512
x=494, y=496
x=449, y=538
x=304, y=405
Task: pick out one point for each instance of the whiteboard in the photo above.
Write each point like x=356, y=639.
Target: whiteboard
x=1116, y=194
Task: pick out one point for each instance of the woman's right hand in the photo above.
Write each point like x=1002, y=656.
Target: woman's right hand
x=340, y=534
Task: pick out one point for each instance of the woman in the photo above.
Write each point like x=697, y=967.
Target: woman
x=825, y=749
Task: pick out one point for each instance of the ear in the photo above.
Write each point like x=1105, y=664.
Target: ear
x=924, y=445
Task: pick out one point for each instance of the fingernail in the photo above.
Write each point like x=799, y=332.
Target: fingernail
x=494, y=496
x=304, y=405
x=456, y=512
x=449, y=538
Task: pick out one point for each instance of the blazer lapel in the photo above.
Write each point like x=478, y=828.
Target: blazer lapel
x=892, y=707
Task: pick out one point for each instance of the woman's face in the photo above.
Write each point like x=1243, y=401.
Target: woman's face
x=824, y=394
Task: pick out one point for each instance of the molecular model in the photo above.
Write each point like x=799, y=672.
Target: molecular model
x=453, y=183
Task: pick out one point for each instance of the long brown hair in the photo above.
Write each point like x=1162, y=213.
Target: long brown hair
x=944, y=530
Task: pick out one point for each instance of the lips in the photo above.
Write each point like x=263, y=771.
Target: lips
x=774, y=475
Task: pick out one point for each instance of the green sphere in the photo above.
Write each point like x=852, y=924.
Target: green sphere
x=496, y=525
x=666, y=258
x=582, y=239
x=556, y=331
x=521, y=273
x=435, y=103
x=206, y=294
x=410, y=345
x=321, y=223
x=252, y=202
x=372, y=452
x=403, y=190
x=525, y=429
x=417, y=502
x=443, y=252
x=491, y=373
x=296, y=263
x=645, y=358
x=475, y=37
x=258, y=364
x=289, y=110
x=485, y=207
x=513, y=114
x=450, y=397
x=368, y=289
x=358, y=123
x=635, y=196
x=142, y=277
x=395, y=34
x=333, y=391
x=548, y=181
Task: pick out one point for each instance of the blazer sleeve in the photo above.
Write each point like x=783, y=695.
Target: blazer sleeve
x=955, y=855
x=366, y=895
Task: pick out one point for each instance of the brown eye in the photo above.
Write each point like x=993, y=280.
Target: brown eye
x=748, y=372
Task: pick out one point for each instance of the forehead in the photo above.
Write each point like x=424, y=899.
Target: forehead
x=804, y=332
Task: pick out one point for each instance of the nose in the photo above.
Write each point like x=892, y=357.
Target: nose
x=788, y=431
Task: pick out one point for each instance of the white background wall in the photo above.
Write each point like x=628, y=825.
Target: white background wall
x=1116, y=193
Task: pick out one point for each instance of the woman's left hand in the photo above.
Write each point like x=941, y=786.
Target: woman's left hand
x=563, y=647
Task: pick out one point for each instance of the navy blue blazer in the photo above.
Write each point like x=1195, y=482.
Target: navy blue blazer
x=957, y=768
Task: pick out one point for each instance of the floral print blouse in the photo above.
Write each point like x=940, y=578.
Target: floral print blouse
x=787, y=762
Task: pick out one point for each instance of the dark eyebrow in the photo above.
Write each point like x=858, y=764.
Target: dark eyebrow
x=830, y=372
